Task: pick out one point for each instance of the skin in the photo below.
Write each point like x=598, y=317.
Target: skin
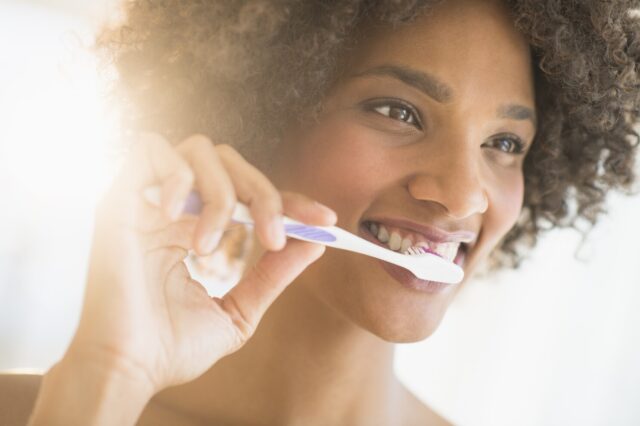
x=447, y=175
x=323, y=353
x=340, y=314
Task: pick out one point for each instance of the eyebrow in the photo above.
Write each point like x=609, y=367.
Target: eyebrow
x=518, y=112
x=439, y=91
x=422, y=81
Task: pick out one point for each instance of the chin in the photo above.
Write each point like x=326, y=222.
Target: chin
x=364, y=294
x=401, y=323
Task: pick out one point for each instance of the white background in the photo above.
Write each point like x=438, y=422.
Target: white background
x=555, y=343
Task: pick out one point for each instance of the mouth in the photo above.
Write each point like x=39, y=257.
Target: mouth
x=401, y=240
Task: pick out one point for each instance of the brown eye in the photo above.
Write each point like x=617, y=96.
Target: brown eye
x=400, y=114
x=395, y=109
x=507, y=144
x=397, y=112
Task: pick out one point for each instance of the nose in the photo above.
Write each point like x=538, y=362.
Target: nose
x=451, y=179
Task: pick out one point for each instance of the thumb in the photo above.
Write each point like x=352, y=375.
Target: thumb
x=247, y=302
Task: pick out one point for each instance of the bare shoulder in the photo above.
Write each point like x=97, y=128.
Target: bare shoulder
x=18, y=394
x=418, y=413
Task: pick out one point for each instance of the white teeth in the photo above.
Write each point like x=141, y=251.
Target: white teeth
x=383, y=235
x=406, y=243
x=447, y=250
x=424, y=244
x=395, y=241
x=373, y=228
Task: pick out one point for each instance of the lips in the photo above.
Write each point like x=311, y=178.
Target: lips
x=398, y=234
x=402, y=240
x=430, y=233
x=406, y=277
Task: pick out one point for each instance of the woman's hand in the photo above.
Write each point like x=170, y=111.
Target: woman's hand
x=144, y=319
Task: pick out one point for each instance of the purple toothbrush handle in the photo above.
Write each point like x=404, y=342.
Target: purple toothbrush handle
x=310, y=233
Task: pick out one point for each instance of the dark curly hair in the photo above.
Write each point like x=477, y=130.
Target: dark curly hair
x=238, y=71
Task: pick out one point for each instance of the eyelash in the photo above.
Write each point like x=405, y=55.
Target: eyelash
x=390, y=104
x=517, y=144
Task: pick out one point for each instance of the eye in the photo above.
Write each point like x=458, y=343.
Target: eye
x=396, y=110
x=508, y=144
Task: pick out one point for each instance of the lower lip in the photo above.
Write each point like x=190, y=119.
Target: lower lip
x=404, y=276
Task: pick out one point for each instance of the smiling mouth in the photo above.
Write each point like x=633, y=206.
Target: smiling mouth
x=403, y=241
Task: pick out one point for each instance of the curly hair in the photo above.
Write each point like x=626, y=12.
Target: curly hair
x=241, y=71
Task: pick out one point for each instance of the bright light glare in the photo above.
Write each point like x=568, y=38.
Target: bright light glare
x=55, y=122
x=56, y=130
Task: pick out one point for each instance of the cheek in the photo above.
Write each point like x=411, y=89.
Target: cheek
x=347, y=168
x=504, y=208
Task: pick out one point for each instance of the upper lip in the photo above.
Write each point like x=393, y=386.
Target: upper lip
x=431, y=233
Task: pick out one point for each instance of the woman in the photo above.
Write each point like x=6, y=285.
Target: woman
x=472, y=125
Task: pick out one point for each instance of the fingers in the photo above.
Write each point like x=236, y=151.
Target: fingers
x=153, y=160
x=306, y=210
x=267, y=204
x=222, y=176
x=175, y=234
x=247, y=302
x=259, y=194
x=216, y=190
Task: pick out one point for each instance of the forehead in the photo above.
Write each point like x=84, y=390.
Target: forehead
x=472, y=46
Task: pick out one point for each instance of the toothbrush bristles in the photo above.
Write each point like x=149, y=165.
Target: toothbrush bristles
x=418, y=250
x=414, y=251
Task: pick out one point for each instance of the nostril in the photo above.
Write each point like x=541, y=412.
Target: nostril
x=459, y=196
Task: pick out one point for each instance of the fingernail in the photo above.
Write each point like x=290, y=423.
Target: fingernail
x=210, y=241
x=276, y=231
x=327, y=209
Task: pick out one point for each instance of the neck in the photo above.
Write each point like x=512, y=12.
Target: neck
x=306, y=364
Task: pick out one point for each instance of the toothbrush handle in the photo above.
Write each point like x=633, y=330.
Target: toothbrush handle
x=348, y=241
x=429, y=267
x=328, y=235
x=331, y=236
x=292, y=227
x=241, y=214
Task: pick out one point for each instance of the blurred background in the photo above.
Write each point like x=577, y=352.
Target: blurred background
x=555, y=343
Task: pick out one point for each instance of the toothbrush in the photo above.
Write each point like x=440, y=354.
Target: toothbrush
x=424, y=265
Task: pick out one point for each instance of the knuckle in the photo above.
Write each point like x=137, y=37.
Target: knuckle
x=176, y=272
x=163, y=260
x=227, y=150
x=239, y=318
x=275, y=206
x=264, y=278
x=185, y=174
x=227, y=202
x=197, y=141
x=269, y=196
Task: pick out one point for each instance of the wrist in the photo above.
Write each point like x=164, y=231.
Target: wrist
x=92, y=391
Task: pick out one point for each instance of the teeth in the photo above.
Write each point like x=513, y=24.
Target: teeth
x=395, y=241
x=383, y=235
x=373, y=228
x=406, y=243
x=447, y=250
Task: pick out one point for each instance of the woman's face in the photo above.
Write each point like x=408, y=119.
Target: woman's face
x=425, y=134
